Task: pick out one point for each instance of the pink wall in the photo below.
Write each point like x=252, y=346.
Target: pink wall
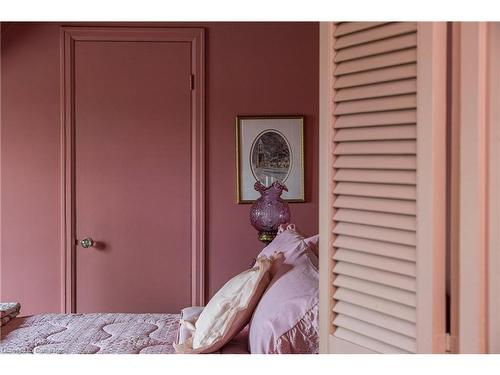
x=252, y=69
x=30, y=157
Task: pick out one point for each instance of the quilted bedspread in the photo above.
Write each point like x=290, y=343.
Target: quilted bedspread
x=91, y=333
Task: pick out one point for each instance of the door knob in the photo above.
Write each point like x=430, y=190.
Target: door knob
x=87, y=242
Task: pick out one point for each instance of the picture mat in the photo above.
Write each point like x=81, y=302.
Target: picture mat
x=291, y=129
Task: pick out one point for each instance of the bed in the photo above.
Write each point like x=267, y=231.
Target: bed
x=103, y=333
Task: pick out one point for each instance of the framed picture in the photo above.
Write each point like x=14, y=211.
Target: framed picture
x=269, y=148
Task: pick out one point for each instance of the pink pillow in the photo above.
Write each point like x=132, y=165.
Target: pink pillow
x=286, y=318
x=289, y=242
x=313, y=243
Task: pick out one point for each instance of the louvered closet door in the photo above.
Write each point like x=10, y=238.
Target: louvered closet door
x=375, y=239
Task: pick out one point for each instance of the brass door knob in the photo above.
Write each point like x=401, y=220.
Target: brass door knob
x=87, y=242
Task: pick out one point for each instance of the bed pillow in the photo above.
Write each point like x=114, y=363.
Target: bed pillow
x=188, y=314
x=286, y=318
x=290, y=242
x=237, y=345
x=8, y=311
x=313, y=243
x=229, y=310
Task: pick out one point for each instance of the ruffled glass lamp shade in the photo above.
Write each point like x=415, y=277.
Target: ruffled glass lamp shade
x=269, y=211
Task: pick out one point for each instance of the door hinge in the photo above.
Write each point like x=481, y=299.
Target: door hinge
x=191, y=81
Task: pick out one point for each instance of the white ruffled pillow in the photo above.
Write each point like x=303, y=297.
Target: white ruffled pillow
x=229, y=310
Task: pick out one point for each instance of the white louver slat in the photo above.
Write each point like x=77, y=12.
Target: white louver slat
x=375, y=204
x=376, y=247
x=381, y=334
x=376, y=261
x=408, y=162
x=376, y=218
x=375, y=190
x=350, y=27
x=376, y=233
x=376, y=345
x=377, y=33
x=382, y=320
x=376, y=104
x=408, y=116
x=374, y=48
x=375, y=133
x=372, y=175
x=381, y=305
x=406, y=86
x=374, y=62
x=374, y=289
x=375, y=275
x=376, y=148
x=373, y=76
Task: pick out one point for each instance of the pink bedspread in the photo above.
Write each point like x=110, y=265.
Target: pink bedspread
x=99, y=333
x=91, y=333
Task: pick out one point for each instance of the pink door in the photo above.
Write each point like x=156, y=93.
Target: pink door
x=132, y=176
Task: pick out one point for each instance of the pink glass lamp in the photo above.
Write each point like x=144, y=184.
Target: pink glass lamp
x=269, y=211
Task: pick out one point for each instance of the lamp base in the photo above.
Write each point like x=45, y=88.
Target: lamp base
x=267, y=237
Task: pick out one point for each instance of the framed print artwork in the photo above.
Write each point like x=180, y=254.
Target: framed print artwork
x=270, y=148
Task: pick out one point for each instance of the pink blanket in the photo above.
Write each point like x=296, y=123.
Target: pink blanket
x=91, y=333
x=99, y=333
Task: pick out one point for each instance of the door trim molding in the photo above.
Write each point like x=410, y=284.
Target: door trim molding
x=431, y=187
x=473, y=204
x=326, y=186
x=194, y=36
x=493, y=256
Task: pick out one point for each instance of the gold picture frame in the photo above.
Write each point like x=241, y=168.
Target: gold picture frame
x=289, y=130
